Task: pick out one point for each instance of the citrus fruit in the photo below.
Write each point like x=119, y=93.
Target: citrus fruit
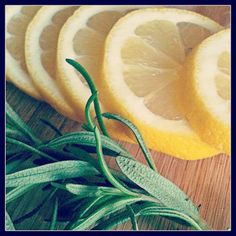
x=206, y=90
x=144, y=52
x=82, y=38
x=40, y=51
x=17, y=20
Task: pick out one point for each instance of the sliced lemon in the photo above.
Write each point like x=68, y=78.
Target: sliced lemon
x=17, y=20
x=144, y=52
x=82, y=38
x=40, y=51
x=206, y=90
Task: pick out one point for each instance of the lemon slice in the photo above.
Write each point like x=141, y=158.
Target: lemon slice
x=82, y=38
x=17, y=20
x=144, y=52
x=206, y=87
x=40, y=50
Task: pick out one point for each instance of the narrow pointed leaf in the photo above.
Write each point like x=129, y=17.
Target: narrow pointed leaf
x=88, y=191
x=87, y=139
x=110, y=207
x=54, y=215
x=50, y=172
x=17, y=192
x=156, y=185
x=8, y=222
x=17, y=122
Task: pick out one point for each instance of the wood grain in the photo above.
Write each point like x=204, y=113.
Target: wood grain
x=207, y=182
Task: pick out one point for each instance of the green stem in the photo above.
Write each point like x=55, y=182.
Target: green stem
x=87, y=111
x=137, y=135
x=115, y=182
x=93, y=89
x=132, y=217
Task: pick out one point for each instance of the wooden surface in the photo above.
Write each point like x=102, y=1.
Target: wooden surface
x=206, y=182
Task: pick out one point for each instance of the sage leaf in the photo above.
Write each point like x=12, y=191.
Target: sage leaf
x=80, y=154
x=88, y=139
x=50, y=172
x=88, y=191
x=54, y=215
x=28, y=147
x=16, y=134
x=132, y=217
x=15, y=163
x=113, y=205
x=8, y=222
x=19, y=124
x=156, y=185
x=18, y=191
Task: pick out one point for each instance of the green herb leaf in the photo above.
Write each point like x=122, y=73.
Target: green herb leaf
x=50, y=172
x=18, y=191
x=109, y=207
x=16, y=134
x=156, y=185
x=132, y=217
x=88, y=191
x=28, y=147
x=54, y=215
x=8, y=222
x=87, y=139
x=80, y=154
x=15, y=163
x=19, y=124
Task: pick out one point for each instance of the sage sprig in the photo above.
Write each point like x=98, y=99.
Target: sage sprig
x=71, y=163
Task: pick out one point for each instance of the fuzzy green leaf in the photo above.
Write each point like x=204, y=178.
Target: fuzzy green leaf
x=18, y=191
x=14, y=120
x=54, y=215
x=113, y=205
x=156, y=185
x=8, y=223
x=87, y=139
x=88, y=191
x=50, y=172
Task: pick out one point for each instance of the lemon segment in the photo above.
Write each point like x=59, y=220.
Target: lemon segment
x=40, y=50
x=17, y=20
x=82, y=38
x=154, y=43
x=208, y=86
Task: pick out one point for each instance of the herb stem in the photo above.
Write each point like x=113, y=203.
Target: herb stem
x=115, y=182
x=137, y=135
x=93, y=89
x=132, y=217
x=87, y=111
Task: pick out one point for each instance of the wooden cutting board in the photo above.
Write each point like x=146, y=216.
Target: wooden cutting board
x=207, y=182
